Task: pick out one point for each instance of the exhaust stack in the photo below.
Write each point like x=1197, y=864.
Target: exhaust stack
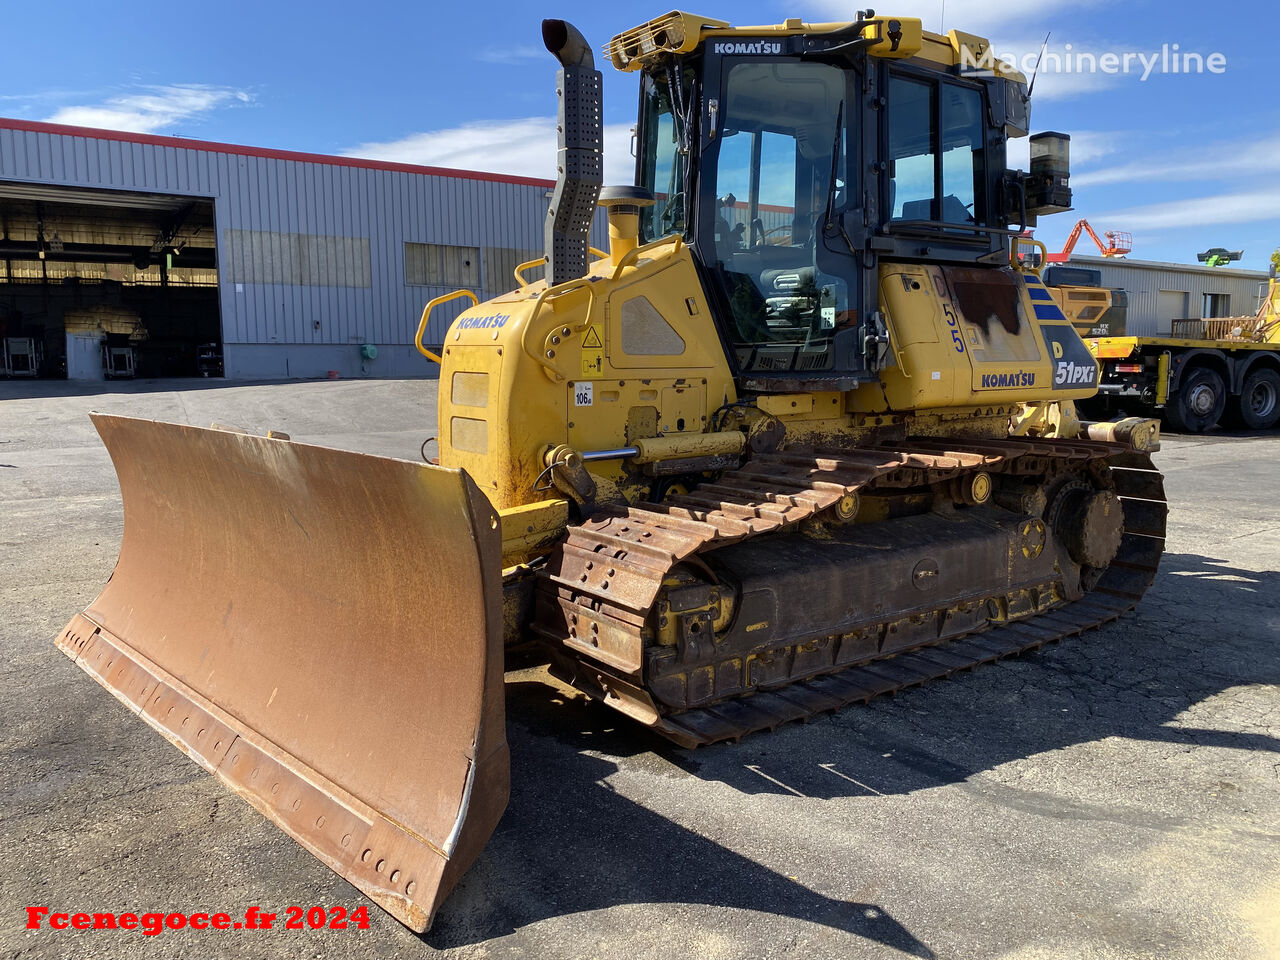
x=579, y=156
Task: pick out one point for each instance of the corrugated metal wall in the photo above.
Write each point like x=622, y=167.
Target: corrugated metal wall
x=286, y=225
x=1149, y=313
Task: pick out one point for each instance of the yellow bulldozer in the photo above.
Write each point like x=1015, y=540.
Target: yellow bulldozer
x=800, y=437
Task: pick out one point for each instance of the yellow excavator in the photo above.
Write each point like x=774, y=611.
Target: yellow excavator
x=802, y=436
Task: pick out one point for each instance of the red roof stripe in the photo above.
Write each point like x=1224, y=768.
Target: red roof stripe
x=64, y=130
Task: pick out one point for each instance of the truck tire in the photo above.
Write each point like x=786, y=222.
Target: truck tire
x=1199, y=403
x=1258, y=406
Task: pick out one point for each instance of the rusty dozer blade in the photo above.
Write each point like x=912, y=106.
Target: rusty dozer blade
x=322, y=631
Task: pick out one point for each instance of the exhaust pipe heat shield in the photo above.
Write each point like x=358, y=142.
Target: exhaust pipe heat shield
x=322, y=631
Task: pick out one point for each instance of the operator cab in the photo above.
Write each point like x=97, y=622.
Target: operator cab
x=793, y=159
x=770, y=179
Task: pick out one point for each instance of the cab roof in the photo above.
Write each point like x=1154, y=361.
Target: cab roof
x=678, y=33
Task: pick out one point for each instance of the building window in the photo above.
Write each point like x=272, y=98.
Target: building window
x=500, y=264
x=441, y=265
x=297, y=259
x=1173, y=305
x=1215, y=305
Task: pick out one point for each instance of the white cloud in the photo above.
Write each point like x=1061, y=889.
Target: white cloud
x=152, y=108
x=1058, y=86
x=1053, y=85
x=1225, y=208
x=1065, y=68
x=982, y=17
x=523, y=148
x=1216, y=161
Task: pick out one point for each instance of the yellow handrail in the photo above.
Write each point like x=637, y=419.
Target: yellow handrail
x=1019, y=264
x=569, y=286
x=633, y=254
x=519, y=271
x=551, y=293
x=426, y=313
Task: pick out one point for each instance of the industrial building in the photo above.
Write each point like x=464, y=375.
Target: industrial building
x=124, y=254
x=1159, y=293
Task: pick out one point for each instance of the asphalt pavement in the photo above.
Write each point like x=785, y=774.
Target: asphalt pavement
x=1115, y=795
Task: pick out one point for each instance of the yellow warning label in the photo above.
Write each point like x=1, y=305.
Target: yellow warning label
x=592, y=363
x=593, y=352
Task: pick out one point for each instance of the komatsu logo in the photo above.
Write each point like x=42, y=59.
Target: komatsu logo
x=1022, y=378
x=753, y=46
x=483, y=323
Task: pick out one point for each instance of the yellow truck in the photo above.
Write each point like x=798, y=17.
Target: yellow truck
x=1209, y=371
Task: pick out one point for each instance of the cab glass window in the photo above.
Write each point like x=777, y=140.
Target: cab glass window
x=911, y=149
x=661, y=164
x=963, y=172
x=779, y=169
x=929, y=118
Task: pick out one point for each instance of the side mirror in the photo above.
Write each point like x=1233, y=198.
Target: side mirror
x=1017, y=109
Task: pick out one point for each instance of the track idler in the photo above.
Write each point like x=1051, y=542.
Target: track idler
x=1092, y=526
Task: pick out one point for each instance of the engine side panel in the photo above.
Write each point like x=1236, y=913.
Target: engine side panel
x=624, y=354
x=964, y=336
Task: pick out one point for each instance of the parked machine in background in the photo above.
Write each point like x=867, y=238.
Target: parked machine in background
x=1209, y=371
x=118, y=360
x=21, y=357
x=1219, y=256
x=108, y=331
x=1094, y=310
x=1118, y=243
x=209, y=359
x=751, y=464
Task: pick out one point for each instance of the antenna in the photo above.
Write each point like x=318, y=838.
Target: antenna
x=942, y=17
x=1036, y=72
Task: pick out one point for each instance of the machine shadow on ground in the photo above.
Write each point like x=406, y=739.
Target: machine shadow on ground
x=570, y=843
x=1218, y=432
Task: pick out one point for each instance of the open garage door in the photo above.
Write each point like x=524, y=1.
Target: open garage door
x=101, y=284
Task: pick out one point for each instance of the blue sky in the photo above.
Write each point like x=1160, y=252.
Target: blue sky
x=1183, y=161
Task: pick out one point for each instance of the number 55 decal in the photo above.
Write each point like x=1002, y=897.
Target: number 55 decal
x=954, y=324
